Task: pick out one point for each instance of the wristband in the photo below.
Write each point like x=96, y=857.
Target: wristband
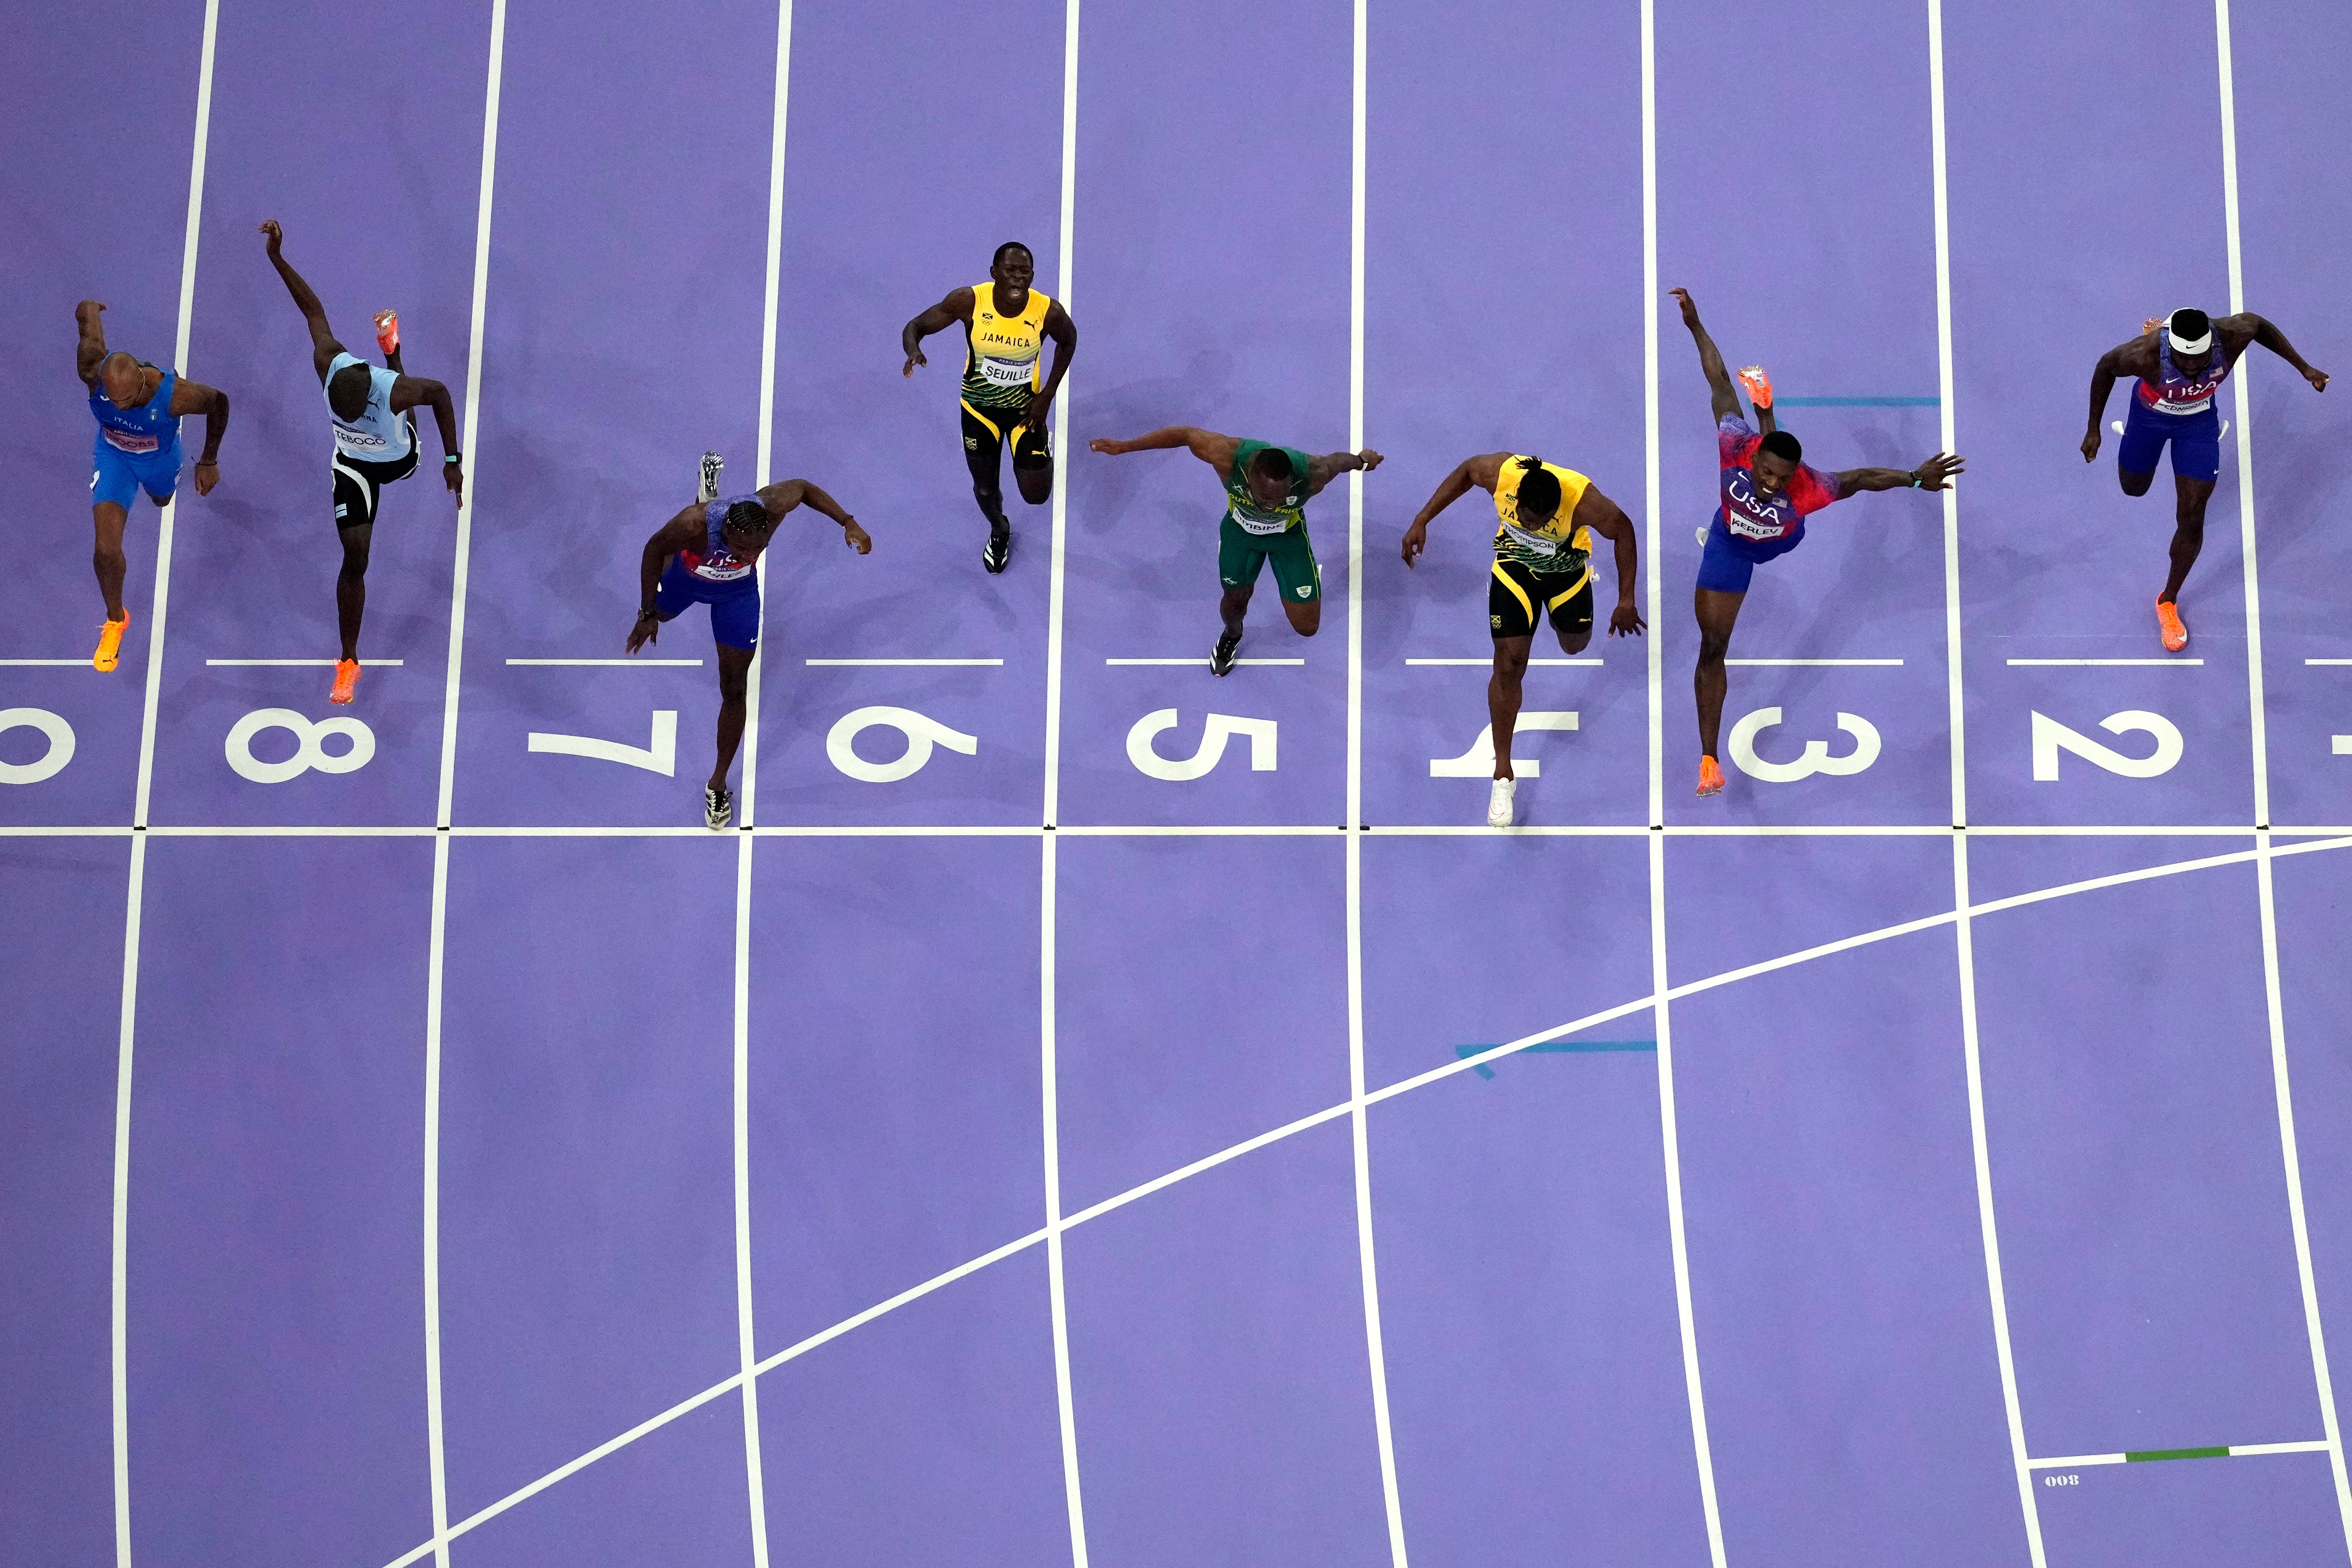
x=455, y=457
x=1915, y=479
x=649, y=615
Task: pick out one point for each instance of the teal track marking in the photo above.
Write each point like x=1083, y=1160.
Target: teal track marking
x=1573, y=1047
x=1857, y=403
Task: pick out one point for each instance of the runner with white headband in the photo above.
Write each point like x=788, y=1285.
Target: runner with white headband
x=2181, y=361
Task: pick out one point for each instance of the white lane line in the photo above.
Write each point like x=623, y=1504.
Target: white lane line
x=2329, y=661
x=1316, y=1119
x=620, y=663
x=434, y=971
x=1702, y=1453
x=1056, y=1285
x=1823, y=663
x=56, y=663
x=1963, y=930
x=1671, y=1141
x=1376, y=1354
x=134, y=895
x=2241, y=1450
x=1489, y=663
x=307, y=663
x=2109, y=663
x=864, y=663
x=2071, y=1461
x=2258, y=715
x=435, y=1448
x=463, y=549
x=1202, y=662
x=755, y=1478
x=1653, y=653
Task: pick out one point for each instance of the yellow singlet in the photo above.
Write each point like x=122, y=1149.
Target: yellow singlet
x=1559, y=546
x=1001, y=363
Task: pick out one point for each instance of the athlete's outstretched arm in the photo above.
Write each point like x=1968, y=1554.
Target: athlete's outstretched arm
x=1212, y=449
x=1322, y=470
x=1606, y=518
x=323, y=346
x=195, y=397
x=91, y=349
x=782, y=498
x=1932, y=475
x=1065, y=333
x=411, y=390
x=2266, y=333
x=1723, y=397
x=1484, y=471
x=2133, y=359
x=665, y=541
x=956, y=307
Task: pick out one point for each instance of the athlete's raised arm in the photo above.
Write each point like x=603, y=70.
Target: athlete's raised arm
x=2248, y=328
x=781, y=498
x=323, y=346
x=195, y=397
x=1485, y=471
x=956, y=307
x=91, y=348
x=1932, y=475
x=1212, y=449
x=1322, y=470
x=1606, y=518
x=1065, y=333
x=665, y=542
x=1724, y=399
x=2136, y=359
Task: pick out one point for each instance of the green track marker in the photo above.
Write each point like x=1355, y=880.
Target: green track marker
x=2146, y=1456
x=1578, y=1047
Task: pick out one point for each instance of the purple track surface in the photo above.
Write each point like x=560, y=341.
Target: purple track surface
x=462, y=1157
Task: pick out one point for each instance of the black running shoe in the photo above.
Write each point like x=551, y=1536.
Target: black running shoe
x=717, y=809
x=1221, y=657
x=997, y=553
x=713, y=465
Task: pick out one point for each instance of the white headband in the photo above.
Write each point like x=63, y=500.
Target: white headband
x=2181, y=346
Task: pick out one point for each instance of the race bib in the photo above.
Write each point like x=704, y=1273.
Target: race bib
x=1536, y=544
x=1008, y=372
x=124, y=441
x=1260, y=525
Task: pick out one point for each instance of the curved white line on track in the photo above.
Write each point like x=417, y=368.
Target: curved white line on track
x=1348, y=1108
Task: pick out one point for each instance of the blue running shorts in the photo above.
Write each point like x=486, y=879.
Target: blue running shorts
x=1729, y=563
x=734, y=607
x=2196, y=440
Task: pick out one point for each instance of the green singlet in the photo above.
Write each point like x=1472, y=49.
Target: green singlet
x=1252, y=535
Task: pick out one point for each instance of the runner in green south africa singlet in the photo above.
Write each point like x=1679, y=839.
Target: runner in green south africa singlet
x=1246, y=510
x=1253, y=535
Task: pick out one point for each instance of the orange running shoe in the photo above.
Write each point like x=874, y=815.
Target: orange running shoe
x=347, y=680
x=110, y=643
x=2167, y=621
x=1710, y=776
x=387, y=330
x=1759, y=384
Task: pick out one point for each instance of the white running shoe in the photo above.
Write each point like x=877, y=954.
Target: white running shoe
x=1702, y=534
x=2225, y=427
x=718, y=807
x=713, y=465
x=1498, y=802
x=2116, y=425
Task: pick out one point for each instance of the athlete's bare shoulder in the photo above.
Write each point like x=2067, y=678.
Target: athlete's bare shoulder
x=2138, y=357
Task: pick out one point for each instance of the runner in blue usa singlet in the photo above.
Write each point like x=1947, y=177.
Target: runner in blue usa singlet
x=138, y=407
x=710, y=554
x=2178, y=362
